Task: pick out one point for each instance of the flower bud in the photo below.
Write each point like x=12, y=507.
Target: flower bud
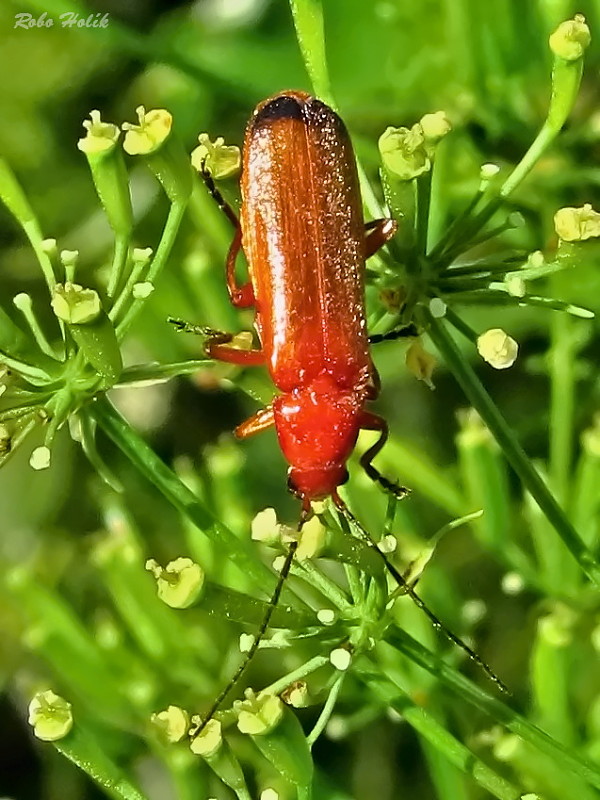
x=221, y=160
x=313, y=538
x=90, y=328
x=434, y=127
x=497, y=348
x=571, y=39
x=50, y=716
x=5, y=437
x=340, y=658
x=577, y=224
x=100, y=136
x=40, y=458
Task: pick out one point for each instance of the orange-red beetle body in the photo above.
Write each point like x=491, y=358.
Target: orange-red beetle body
x=305, y=241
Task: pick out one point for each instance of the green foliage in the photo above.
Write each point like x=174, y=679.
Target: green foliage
x=111, y=674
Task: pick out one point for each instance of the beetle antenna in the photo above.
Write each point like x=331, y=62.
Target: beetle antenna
x=305, y=514
x=217, y=196
x=408, y=588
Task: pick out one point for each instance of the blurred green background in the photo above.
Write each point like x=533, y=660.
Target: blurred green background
x=209, y=62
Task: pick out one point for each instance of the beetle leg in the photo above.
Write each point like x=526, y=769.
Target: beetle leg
x=218, y=345
x=233, y=355
x=241, y=296
x=406, y=331
x=217, y=196
x=378, y=232
x=257, y=423
x=372, y=422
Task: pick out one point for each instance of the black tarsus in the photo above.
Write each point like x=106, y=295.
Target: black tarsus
x=405, y=332
x=409, y=590
x=285, y=569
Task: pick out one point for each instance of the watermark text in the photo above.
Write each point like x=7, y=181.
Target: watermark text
x=70, y=19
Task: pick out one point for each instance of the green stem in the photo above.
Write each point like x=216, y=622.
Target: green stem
x=326, y=711
x=118, y=264
x=310, y=32
x=423, y=209
x=298, y=674
x=15, y=200
x=562, y=353
x=82, y=749
x=34, y=374
x=513, y=451
x=435, y=734
x=328, y=588
x=162, y=253
x=240, y=551
x=563, y=756
x=159, y=373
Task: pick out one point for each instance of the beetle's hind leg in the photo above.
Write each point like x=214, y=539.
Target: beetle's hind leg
x=371, y=422
x=405, y=332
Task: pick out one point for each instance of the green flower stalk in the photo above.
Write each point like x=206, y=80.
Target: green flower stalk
x=209, y=744
x=105, y=159
x=91, y=329
x=54, y=381
x=276, y=732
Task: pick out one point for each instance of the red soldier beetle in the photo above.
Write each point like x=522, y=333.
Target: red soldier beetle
x=302, y=231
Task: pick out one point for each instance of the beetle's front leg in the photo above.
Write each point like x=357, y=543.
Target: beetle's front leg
x=218, y=345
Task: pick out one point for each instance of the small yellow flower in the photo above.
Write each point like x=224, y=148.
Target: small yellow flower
x=50, y=716
x=151, y=132
x=73, y=304
x=180, y=583
x=577, y=224
x=173, y=723
x=258, y=714
x=403, y=152
x=209, y=741
x=100, y=136
x=221, y=160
